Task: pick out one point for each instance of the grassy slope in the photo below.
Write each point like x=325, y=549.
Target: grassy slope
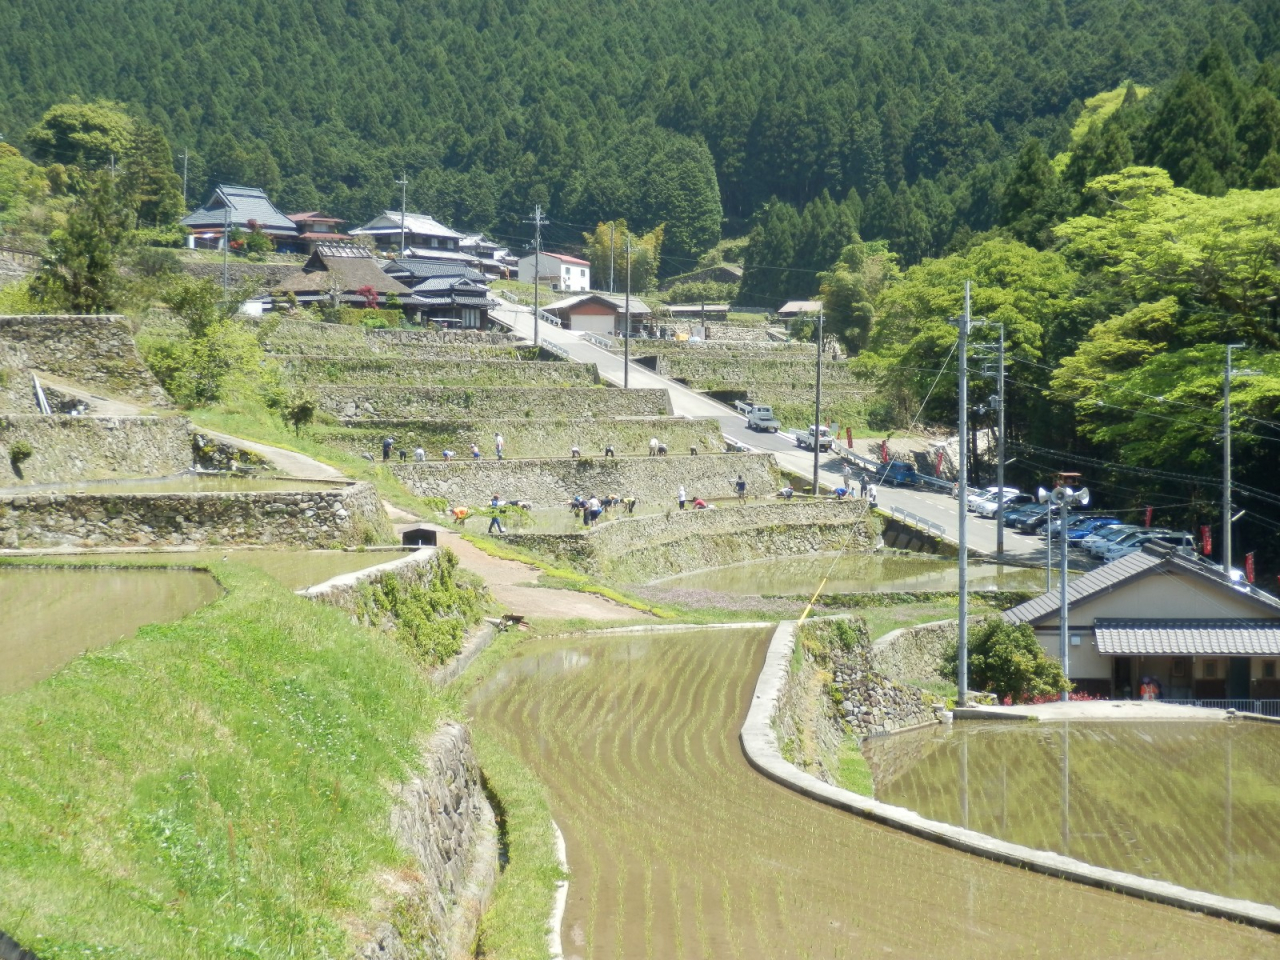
x=214, y=787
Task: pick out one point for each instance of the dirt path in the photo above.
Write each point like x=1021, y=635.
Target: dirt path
x=286, y=461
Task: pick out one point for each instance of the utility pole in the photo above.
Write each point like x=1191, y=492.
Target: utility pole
x=404, y=197
x=611, y=254
x=113, y=166
x=817, y=410
x=226, y=245
x=185, y=156
x=1226, y=462
x=962, y=646
x=537, y=222
x=626, y=334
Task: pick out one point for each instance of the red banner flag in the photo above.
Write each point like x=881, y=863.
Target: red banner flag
x=848, y=437
x=884, y=451
x=1248, y=567
x=1206, y=540
x=1150, y=511
x=937, y=467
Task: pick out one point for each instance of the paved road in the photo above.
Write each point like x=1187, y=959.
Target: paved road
x=936, y=507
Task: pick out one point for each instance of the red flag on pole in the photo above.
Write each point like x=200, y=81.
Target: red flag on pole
x=937, y=467
x=1248, y=567
x=848, y=437
x=1150, y=511
x=884, y=451
x=1206, y=540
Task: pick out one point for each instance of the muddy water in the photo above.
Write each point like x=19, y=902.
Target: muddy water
x=188, y=483
x=51, y=616
x=294, y=569
x=678, y=849
x=853, y=573
x=1197, y=804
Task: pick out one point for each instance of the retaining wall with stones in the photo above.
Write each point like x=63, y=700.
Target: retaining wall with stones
x=443, y=819
x=393, y=371
x=66, y=448
x=528, y=438
x=725, y=367
x=641, y=549
x=532, y=403
x=290, y=336
x=258, y=276
x=553, y=482
x=95, y=351
x=914, y=654
x=346, y=515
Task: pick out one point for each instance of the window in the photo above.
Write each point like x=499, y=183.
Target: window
x=583, y=272
x=470, y=318
x=1268, y=669
x=435, y=241
x=1211, y=669
x=1179, y=666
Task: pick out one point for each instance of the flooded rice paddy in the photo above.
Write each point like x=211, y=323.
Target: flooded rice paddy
x=186, y=483
x=854, y=573
x=678, y=849
x=1197, y=804
x=51, y=616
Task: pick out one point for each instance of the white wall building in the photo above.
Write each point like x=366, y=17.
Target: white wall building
x=558, y=271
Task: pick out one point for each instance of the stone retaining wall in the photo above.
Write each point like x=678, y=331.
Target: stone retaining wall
x=394, y=371
x=66, y=448
x=528, y=438
x=914, y=654
x=259, y=276
x=553, y=482
x=349, y=514
x=798, y=372
x=97, y=351
x=443, y=819
x=291, y=336
x=533, y=403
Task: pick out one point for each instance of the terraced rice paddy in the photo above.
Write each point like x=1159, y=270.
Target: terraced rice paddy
x=854, y=573
x=51, y=616
x=678, y=849
x=184, y=483
x=1197, y=804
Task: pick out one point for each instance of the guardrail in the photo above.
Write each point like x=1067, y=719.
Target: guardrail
x=917, y=521
x=598, y=340
x=1265, y=708
x=555, y=348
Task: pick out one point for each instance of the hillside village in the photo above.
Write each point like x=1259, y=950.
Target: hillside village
x=439, y=492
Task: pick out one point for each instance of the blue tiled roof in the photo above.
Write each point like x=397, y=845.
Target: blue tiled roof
x=242, y=205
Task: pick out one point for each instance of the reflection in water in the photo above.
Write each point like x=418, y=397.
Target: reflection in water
x=853, y=573
x=52, y=616
x=294, y=569
x=1194, y=803
x=678, y=849
x=186, y=483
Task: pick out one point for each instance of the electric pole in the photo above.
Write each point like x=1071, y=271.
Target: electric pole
x=404, y=197
x=611, y=254
x=997, y=403
x=962, y=646
x=537, y=222
x=226, y=244
x=185, y=154
x=1226, y=454
x=626, y=334
x=817, y=410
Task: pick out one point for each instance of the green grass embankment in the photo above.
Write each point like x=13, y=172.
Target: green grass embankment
x=213, y=787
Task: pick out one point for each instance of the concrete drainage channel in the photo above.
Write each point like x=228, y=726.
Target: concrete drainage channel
x=760, y=746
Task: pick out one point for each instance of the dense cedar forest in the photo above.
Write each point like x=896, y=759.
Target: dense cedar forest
x=612, y=108
x=1107, y=173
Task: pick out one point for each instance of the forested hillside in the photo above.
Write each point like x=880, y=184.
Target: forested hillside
x=653, y=110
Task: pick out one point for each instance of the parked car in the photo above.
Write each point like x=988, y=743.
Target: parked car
x=1135, y=542
x=987, y=508
x=1032, y=522
x=1075, y=534
x=1011, y=517
x=1097, y=542
x=977, y=496
x=759, y=416
x=898, y=474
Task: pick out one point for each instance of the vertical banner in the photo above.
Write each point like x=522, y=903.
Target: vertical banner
x=1248, y=567
x=937, y=467
x=1206, y=540
x=884, y=451
x=848, y=437
x=1150, y=511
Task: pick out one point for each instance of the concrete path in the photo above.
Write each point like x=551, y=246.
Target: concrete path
x=286, y=461
x=937, y=507
x=99, y=406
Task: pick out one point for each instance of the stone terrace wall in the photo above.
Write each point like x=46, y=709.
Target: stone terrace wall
x=260, y=276
x=529, y=438
x=760, y=348
x=476, y=373
x=644, y=548
x=749, y=371
x=412, y=403
x=914, y=654
x=94, y=448
x=289, y=336
x=550, y=482
x=96, y=351
x=345, y=515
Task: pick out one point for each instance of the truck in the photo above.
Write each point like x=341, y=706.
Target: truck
x=759, y=416
x=819, y=435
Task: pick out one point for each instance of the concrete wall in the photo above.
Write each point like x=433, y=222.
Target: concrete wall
x=97, y=351
x=443, y=819
x=552, y=482
x=529, y=438
x=362, y=371
x=94, y=448
x=641, y=549
x=399, y=403
x=345, y=515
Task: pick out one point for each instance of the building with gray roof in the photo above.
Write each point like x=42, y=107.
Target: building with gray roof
x=231, y=207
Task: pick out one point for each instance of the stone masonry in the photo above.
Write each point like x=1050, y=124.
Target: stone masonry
x=393, y=371
x=349, y=514
x=399, y=403
x=66, y=449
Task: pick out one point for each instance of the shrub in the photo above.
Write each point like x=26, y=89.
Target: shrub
x=19, y=453
x=1008, y=661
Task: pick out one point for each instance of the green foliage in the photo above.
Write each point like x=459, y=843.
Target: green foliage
x=1008, y=661
x=78, y=272
x=299, y=410
x=20, y=452
x=608, y=244
x=701, y=291
x=430, y=619
x=148, y=182
x=88, y=135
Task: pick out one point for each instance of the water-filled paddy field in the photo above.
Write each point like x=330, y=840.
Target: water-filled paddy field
x=1197, y=804
x=678, y=849
x=853, y=573
x=51, y=616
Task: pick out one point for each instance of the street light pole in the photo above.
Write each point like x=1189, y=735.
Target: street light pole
x=962, y=645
